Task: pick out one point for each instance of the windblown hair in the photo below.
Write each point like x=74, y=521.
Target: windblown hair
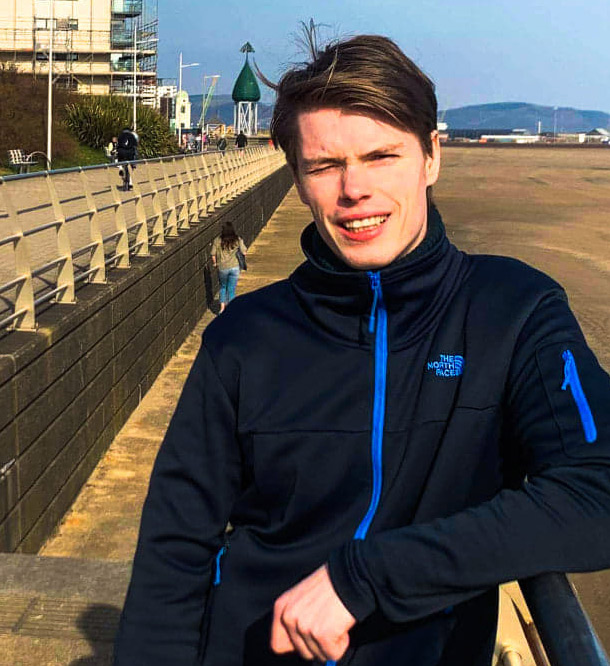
x=367, y=74
x=228, y=236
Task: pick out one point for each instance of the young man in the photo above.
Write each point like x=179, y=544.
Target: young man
x=367, y=425
x=127, y=151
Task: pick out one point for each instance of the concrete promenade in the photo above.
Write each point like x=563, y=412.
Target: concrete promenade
x=61, y=606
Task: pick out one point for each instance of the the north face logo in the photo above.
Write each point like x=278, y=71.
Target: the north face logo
x=448, y=365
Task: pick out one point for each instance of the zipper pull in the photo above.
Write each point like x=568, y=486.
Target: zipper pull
x=376, y=287
x=571, y=379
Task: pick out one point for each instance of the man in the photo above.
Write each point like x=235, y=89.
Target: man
x=241, y=141
x=127, y=151
x=367, y=425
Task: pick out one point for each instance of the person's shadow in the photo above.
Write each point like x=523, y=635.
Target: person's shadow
x=98, y=624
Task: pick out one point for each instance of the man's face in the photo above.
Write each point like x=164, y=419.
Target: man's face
x=365, y=182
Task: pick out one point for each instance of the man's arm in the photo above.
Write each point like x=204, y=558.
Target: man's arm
x=195, y=479
x=557, y=521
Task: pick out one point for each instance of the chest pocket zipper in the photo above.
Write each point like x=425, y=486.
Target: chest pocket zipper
x=571, y=379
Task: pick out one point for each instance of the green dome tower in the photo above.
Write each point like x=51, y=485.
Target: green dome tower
x=246, y=94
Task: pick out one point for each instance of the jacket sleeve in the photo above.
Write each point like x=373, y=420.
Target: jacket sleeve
x=193, y=485
x=557, y=414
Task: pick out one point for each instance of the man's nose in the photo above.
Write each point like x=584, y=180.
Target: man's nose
x=355, y=182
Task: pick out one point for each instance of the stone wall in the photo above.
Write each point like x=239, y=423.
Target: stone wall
x=66, y=390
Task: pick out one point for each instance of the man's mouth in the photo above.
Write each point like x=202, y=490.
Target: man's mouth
x=364, y=224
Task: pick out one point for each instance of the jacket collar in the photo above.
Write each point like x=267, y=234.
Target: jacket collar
x=416, y=288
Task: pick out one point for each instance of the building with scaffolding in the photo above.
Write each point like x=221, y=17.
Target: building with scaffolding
x=99, y=47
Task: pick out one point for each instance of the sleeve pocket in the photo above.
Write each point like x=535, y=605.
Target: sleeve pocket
x=579, y=393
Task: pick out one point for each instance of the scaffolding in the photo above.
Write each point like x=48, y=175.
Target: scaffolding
x=98, y=48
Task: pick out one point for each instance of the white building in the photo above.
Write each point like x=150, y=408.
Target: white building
x=95, y=43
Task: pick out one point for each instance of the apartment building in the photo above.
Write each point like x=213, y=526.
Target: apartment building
x=99, y=46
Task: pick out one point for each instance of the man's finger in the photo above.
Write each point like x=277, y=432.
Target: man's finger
x=280, y=640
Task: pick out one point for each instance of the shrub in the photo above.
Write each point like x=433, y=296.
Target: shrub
x=23, y=115
x=95, y=120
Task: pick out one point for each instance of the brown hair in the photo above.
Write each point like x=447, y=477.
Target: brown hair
x=228, y=236
x=367, y=74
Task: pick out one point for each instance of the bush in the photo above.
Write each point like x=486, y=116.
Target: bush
x=23, y=116
x=95, y=120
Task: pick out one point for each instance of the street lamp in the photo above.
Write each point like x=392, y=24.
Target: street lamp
x=50, y=91
x=192, y=64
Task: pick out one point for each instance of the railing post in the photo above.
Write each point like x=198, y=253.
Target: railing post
x=157, y=234
x=65, y=269
x=122, y=244
x=24, y=290
x=172, y=220
x=96, y=257
x=142, y=226
x=181, y=199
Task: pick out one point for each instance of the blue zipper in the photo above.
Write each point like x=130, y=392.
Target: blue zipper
x=219, y=554
x=378, y=322
x=571, y=379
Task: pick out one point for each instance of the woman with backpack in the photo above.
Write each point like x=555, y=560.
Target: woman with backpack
x=226, y=251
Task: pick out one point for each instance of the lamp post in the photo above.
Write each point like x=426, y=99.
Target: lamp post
x=135, y=67
x=50, y=91
x=192, y=64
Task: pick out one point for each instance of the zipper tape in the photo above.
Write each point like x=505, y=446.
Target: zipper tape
x=571, y=379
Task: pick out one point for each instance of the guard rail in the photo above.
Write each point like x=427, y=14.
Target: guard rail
x=44, y=215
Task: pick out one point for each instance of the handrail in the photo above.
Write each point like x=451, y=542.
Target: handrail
x=169, y=196
x=564, y=627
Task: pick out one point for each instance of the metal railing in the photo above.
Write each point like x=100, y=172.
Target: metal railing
x=565, y=629
x=44, y=215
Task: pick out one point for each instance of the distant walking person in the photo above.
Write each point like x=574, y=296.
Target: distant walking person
x=222, y=145
x=241, y=141
x=127, y=151
x=225, y=251
x=111, y=150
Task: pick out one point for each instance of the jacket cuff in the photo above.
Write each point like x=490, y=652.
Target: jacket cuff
x=349, y=577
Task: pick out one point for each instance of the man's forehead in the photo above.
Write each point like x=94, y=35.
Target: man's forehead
x=326, y=131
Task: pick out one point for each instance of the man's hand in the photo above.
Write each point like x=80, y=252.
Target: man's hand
x=311, y=619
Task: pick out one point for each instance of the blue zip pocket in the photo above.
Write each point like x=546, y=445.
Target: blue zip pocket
x=571, y=379
x=217, y=577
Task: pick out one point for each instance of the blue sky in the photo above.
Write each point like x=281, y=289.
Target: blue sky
x=550, y=52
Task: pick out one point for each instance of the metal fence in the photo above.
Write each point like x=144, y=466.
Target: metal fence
x=62, y=228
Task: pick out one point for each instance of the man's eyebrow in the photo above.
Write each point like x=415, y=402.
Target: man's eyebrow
x=318, y=161
x=383, y=150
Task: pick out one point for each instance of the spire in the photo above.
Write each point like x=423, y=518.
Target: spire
x=246, y=87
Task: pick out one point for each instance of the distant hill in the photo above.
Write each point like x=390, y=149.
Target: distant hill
x=222, y=106
x=504, y=115
x=520, y=115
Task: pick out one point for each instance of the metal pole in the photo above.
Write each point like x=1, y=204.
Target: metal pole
x=135, y=60
x=178, y=102
x=50, y=91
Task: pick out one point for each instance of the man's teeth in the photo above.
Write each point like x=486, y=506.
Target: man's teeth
x=364, y=223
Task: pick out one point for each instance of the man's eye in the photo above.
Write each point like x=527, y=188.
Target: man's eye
x=384, y=156
x=320, y=169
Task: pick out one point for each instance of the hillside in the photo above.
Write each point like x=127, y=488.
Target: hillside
x=504, y=115
x=512, y=115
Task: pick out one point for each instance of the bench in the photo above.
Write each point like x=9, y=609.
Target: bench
x=18, y=158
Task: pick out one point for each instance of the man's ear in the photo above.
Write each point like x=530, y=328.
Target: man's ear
x=433, y=162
